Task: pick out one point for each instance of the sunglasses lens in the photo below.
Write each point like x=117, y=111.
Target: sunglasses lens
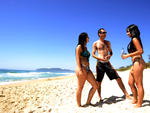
x=102, y=32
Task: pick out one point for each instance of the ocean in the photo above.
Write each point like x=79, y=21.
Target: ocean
x=9, y=76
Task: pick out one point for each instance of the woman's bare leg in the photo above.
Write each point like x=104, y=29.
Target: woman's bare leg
x=81, y=78
x=92, y=81
x=138, y=76
x=131, y=83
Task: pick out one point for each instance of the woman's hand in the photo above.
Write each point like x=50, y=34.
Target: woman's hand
x=79, y=69
x=124, y=56
x=81, y=73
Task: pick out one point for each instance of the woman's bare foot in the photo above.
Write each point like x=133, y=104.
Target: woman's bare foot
x=79, y=106
x=138, y=105
x=134, y=101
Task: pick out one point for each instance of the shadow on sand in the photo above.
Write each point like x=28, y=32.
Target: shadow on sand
x=146, y=103
x=110, y=100
x=114, y=99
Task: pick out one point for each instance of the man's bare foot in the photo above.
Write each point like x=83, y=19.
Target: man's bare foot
x=86, y=105
x=128, y=97
x=101, y=100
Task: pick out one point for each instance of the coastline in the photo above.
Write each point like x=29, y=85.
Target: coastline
x=57, y=95
x=19, y=82
x=34, y=79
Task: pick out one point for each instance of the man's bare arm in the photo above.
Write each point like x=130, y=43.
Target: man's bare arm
x=109, y=50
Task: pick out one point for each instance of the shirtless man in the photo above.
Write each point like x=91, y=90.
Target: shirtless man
x=103, y=48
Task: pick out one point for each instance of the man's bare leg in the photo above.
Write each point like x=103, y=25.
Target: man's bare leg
x=122, y=87
x=99, y=90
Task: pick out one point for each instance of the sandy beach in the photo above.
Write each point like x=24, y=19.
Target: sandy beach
x=57, y=95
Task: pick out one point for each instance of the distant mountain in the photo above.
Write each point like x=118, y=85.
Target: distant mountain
x=53, y=70
x=13, y=71
x=59, y=70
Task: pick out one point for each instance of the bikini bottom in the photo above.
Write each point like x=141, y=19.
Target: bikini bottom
x=140, y=60
x=87, y=68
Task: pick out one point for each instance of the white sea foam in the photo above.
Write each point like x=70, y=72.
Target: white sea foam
x=27, y=74
x=31, y=74
x=9, y=77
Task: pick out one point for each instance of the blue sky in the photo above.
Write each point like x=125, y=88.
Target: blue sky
x=44, y=33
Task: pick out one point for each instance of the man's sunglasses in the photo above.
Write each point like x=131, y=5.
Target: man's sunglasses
x=102, y=32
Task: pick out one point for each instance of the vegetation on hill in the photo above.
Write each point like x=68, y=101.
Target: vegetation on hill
x=124, y=68
x=128, y=67
x=148, y=65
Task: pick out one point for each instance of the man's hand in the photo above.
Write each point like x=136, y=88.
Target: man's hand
x=107, y=57
x=102, y=59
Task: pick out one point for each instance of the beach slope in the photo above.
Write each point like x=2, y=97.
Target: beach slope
x=57, y=95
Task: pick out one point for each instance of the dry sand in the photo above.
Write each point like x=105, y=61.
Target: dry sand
x=57, y=95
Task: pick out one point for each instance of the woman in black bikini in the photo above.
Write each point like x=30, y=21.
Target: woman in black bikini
x=135, y=50
x=83, y=71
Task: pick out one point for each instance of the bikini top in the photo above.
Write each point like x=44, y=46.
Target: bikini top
x=86, y=54
x=131, y=47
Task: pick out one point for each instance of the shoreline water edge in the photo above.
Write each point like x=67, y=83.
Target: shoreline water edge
x=9, y=77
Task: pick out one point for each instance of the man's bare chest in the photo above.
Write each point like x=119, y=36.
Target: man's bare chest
x=101, y=46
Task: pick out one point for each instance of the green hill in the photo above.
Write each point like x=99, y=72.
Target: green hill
x=128, y=67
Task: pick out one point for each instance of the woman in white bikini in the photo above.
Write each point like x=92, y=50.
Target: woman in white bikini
x=83, y=71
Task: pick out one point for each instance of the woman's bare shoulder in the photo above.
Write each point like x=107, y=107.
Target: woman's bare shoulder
x=78, y=47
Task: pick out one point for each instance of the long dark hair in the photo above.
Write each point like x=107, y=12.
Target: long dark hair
x=135, y=32
x=82, y=39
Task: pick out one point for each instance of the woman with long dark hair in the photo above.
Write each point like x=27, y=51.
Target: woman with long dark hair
x=83, y=71
x=135, y=50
